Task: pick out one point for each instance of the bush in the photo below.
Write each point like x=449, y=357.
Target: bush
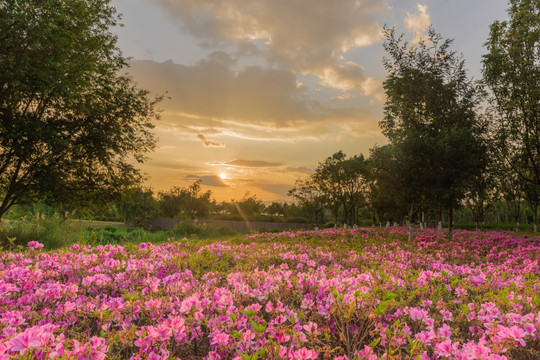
x=52, y=232
x=186, y=228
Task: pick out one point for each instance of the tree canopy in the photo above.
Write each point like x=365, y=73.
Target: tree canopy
x=512, y=74
x=72, y=124
x=430, y=119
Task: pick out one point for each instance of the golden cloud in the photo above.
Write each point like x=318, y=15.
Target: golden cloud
x=305, y=36
x=417, y=23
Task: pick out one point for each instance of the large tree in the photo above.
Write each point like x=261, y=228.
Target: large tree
x=72, y=124
x=512, y=73
x=430, y=119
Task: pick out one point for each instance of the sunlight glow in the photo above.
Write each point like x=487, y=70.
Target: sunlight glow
x=222, y=176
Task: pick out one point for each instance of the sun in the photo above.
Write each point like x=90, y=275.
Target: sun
x=222, y=176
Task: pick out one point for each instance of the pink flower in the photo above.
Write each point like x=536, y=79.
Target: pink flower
x=311, y=328
x=447, y=315
x=220, y=339
x=35, y=245
x=305, y=354
x=444, y=348
x=445, y=331
x=30, y=338
x=161, y=332
x=517, y=333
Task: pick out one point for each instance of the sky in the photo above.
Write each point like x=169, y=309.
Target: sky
x=258, y=92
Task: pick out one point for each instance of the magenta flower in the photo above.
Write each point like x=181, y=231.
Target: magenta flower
x=35, y=245
x=444, y=348
x=30, y=338
x=220, y=339
x=305, y=354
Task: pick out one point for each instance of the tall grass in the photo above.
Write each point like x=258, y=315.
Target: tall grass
x=53, y=232
x=50, y=231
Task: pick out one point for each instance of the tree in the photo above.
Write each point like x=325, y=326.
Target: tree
x=72, y=124
x=276, y=209
x=512, y=73
x=430, y=119
x=310, y=197
x=136, y=203
x=343, y=181
x=531, y=192
x=186, y=202
x=386, y=190
x=249, y=206
x=481, y=196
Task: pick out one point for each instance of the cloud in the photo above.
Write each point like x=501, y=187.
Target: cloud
x=278, y=189
x=253, y=104
x=208, y=143
x=210, y=89
x=208, y=180
x=248, y=163
x=291, y=25
x=304, y=36
x=418, y=23
x=300, y=170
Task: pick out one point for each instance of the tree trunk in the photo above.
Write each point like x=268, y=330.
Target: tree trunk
x=410, y=225
x=450, y=223
x=535, y=218
x=439, y=227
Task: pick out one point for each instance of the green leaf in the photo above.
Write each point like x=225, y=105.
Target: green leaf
x=389, y=296
x=257, y=327
x=381, y=308
x=375, y=342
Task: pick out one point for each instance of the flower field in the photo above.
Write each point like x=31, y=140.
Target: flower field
x=330, y=294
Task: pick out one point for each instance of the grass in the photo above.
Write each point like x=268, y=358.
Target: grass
x=55, y=233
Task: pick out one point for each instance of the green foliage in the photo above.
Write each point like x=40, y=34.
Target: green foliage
x=137, y=203
x=387, y=190
x=189, y=203
x=430, y=119
x=191, y=229
x=310, y=197
x=338, y=183
x=343, y=181
x=71, y=121
x=246, y=208
x=52, y=232
x=512, y=72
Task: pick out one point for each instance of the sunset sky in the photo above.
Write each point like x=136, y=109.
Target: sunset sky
x=260, y=91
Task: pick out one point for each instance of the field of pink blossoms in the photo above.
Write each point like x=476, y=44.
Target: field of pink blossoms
x=332, y=294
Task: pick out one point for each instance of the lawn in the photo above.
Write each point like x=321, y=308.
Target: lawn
x=331, y=294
